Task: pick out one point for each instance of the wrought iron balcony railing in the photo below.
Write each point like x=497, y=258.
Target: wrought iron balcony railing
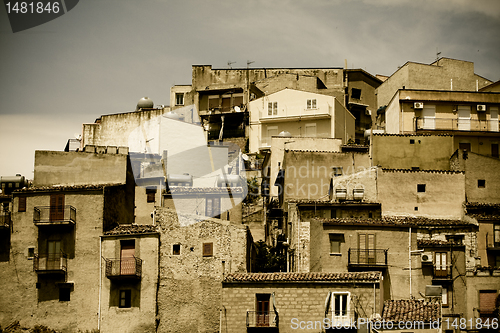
x=340, y=318
x=262, y=319
x=47, y=215
x=50, y=263
x=124, y=268
x=367, y=257
x=441, y=273
x=454, y=124
x=4, y=219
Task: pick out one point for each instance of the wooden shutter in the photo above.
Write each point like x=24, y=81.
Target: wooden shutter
x=208, y=249
x=56, y=207
x=487, y=302
x=127, y=260
x=21, y=207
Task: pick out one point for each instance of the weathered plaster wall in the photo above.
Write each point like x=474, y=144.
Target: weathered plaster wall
x=443, y=197
x=190, y=289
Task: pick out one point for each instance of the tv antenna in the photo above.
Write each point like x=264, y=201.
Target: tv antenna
x=249, y=63
x=229, y=63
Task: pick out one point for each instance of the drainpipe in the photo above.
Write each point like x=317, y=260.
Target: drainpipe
x=100, y=285
x=409, y=255
x=374, y=301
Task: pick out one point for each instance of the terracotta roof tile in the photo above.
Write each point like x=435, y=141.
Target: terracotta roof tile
x=411, y=310
x=397, y=221
x=427, y=171
x=436, y=243
x=359, y=277
x=203, y=190
x=64, y=188
x=130, y=229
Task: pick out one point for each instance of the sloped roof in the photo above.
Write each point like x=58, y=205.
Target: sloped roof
x=131, y=229
x=203, y=190
x=63, y=188
x=346, y=277
x=411, y=310
x=397, y=222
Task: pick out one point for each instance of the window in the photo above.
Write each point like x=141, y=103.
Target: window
x=337, y=171
x=412, y=141
x=262, y=309
x=421, y=188
x=56, y=207
x=21, y=206
x=493, y=119
x=464, y=146
x=212, y=207
x=208, y=249
x=356, y=93
x=31, y=252
x=496, y=234
x=481, y=183
x=125, y=298
x=311, y=104
x=494, y=150
x=429, y=117
x=151, y=194
x=463, y=118
x=176, y=249
x=457, y=239
x=179, y=99
x=272, y=108
x=335, y=241
x=340, y=308
x=366, y=249
x=441, y=264
x=444, y=295
x=64, y=294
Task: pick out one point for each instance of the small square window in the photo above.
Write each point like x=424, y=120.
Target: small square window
x=337, y=171
x=416, y=208
x=356, y=93
x=64, y=294
x=420, y=187
x=481, y=183
x=125, y=298
x=311, y=103
x=176, y=249
x=21, y=206
x=412, y=141
x=31, y=252
x=208, y=249
x=335, y=242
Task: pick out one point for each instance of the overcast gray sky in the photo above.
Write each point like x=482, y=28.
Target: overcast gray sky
x=104, y=55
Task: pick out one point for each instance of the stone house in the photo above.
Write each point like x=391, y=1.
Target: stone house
x=55, y=251
x=195, y=254
x=287, y=302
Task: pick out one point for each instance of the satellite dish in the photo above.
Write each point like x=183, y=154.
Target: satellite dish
x=245, y=157
x=78, y=136
x=237, y=109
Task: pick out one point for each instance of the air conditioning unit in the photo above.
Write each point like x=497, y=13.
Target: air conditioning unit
x=341, y=193
x=418, y=105
x=426, y=257
x=358, y=193
x=433, y=291
x=481, y=107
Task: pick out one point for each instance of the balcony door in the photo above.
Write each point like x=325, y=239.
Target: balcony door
x=56, y=207
x=262, y=315
x=341, y=303
x=127, y=257
x=463, y=118
x=441, y=264
x=366, y=247
x=53, y=255
x=429, y=117
x=494, y=119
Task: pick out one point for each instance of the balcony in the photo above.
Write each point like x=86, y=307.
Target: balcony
x=4, y=220
x=442, y=273
x=367, y=258
x=454, y=124
x=54, y=215
x=262, y=321
x=122, y=269
x=492, y=242
x=341, y=318
x=294, y=114
x=52, y=263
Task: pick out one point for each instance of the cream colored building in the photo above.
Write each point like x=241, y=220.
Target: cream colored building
x=302, y=114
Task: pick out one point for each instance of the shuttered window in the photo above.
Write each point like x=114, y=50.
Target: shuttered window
x=21, y=207
x=487, y=300
x=208, y=249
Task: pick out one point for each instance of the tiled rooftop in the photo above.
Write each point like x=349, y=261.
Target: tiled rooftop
x=397, y=221
x=63, y=188
x=436, y=243
x=347, y=277
x=411, y=310
x=415, y=171
x=130, y=229
x=203, y=190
